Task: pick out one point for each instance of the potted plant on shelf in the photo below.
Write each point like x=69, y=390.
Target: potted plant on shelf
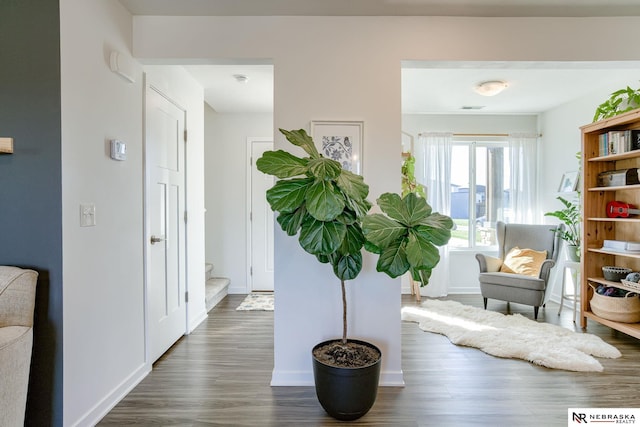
x=619, y=102
x=325, y=206
x=570, y=233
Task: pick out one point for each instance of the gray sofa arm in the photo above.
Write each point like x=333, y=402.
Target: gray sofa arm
x=17, y=296
x=17, y=301
x=545, y=269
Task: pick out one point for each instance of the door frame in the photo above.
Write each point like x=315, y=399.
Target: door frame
x=148, y=85
x=250, y=164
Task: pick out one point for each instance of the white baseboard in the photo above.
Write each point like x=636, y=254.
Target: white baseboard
x=392, y=379
x=102, y=408
x=237, y=290
x=194, y=323
x=292, y=378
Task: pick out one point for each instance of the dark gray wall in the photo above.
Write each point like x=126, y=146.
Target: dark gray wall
x=30, y=183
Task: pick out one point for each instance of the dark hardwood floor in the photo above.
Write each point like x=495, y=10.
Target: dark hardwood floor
x=219, y=376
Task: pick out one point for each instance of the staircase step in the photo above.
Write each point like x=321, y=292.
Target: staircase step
x=216, y=289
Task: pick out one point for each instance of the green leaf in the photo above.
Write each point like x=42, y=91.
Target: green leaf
x=421, y=276
x=320, y=237
x=381, y=230
x=439, y=236
x=391, y=204
x=409, y=210
x=393, y=260
x=303, y=140
x=370, y=247
x=418, y=209
x=359, y=207
x=281, y=164
x=353, y=185
x=348, y=266
x=291, y=222
x=323, y=258
x=421, y=253
x=288, y=195
x=347, y=216
x=353, y=240
x=324, y=169
x=324, y=201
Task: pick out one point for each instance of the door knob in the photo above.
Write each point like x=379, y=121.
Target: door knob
x=157, y=239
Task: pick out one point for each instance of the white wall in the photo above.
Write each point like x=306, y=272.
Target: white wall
x=226, y=187
x=103, y=288
x=348, y=68
x=103, y=295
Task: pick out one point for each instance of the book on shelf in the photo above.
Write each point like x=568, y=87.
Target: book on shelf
x=618, y=142
x=621, y=246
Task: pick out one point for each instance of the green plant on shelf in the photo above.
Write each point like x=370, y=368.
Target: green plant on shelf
x=619, y=102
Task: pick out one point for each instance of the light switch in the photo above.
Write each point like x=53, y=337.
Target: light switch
x=87, y=215
x=118, y=150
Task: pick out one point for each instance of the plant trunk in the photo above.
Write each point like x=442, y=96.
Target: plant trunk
x=344, y=313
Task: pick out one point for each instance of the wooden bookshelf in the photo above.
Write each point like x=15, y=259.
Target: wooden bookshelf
x=596, y=226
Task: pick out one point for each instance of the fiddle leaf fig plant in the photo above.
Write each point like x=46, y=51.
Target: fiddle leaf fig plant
x=326, y=206
x=320, y=202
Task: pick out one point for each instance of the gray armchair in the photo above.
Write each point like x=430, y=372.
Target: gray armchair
x=519, y=288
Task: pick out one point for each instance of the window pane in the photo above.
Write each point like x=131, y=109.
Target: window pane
x=492, y=183
x=460, y=196
x=480, y=178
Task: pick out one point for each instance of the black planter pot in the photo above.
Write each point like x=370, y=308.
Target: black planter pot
x=346, y=393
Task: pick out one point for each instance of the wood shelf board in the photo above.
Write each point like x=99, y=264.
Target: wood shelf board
x=632, y=329
x=619, y=120
x=608, y=252
x=616, y=188
x=605, y=282
x=613, y=219
x=614, y=157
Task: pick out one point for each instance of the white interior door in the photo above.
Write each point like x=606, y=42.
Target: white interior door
x=261, y=221
x=165, y=148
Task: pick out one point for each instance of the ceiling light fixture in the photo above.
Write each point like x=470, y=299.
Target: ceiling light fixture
x=241, y=78
x=491, y=88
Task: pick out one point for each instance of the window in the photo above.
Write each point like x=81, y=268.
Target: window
x=480, y=180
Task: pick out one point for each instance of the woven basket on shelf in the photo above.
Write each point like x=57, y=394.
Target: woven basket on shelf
x=619, y=309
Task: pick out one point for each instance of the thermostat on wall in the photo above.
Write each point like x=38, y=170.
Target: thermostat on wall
x=118, y=150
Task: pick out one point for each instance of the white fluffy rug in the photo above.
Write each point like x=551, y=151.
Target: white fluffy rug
x=511, y=336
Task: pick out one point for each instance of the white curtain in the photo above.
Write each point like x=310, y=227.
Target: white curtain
x=433, y=171
x=523, y=150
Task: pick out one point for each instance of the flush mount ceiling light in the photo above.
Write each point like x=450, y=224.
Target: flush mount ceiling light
x=241, y=78
x=490, y=88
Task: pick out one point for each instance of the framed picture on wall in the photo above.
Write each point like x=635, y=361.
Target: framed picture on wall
x=569, y=182
x=340, y=141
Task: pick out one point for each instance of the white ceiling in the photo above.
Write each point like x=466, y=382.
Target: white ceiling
x=426, y=87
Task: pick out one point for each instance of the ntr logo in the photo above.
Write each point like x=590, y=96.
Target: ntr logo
x=580, y=418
